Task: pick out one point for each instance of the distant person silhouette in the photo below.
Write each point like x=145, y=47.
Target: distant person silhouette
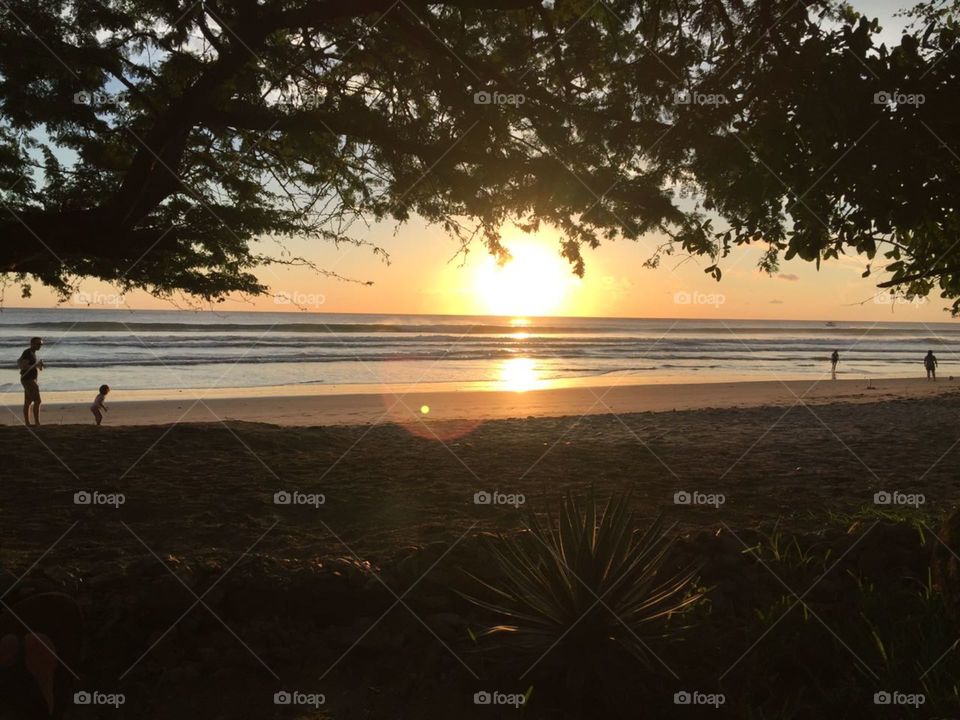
x=834, y=361
x=930, y=363
x=30, y=368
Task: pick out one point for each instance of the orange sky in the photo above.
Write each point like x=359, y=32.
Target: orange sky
x=425, y=277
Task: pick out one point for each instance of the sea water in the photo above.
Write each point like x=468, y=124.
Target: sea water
x=174, y=350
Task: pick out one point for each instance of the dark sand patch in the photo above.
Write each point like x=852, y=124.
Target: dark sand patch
x=200, y=497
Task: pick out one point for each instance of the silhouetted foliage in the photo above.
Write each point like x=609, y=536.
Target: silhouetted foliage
x=584, y=586
x=151, y=143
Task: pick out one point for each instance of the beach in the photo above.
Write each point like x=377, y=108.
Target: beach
x=315, y=517
x=192, y=480
x=199, y=509
x=422, y=405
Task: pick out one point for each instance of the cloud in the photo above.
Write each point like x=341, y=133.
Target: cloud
x=789, y=277
x=776, y=302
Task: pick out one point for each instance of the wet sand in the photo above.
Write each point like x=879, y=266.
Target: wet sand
x=416, y=404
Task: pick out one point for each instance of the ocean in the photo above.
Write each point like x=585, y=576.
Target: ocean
x=154, y=352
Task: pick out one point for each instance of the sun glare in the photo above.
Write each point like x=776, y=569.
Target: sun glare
x=535, y=281
x=520, y=374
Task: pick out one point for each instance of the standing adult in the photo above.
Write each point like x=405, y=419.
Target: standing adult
x=834, y=361
x=930, y=363
x=30, y=368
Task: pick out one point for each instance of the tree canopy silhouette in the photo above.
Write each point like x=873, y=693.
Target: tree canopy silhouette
x=163, y=144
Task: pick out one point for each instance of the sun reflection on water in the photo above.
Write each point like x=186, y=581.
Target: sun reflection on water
x=520, y=374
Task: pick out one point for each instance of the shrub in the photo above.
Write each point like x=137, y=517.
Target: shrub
x=571, y=591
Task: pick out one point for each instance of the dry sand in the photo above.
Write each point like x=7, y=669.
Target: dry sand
x=199, y=498
x=208, y=487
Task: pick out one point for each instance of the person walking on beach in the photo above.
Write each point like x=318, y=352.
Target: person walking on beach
x=930, y=363
x=834, y=361
x=98, y=408
x=30, y=368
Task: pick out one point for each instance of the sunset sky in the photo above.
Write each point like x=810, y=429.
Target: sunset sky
x=425, y=276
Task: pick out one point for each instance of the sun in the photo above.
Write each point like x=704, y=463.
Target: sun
x=535, y=281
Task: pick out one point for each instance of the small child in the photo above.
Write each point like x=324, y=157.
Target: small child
x=98, y=405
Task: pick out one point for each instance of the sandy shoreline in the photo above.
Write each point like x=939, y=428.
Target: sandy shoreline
x=416, y=405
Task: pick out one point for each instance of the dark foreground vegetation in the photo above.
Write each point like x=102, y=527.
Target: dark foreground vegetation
x=398, y=596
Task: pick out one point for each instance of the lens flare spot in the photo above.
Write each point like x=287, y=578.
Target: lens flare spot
x=420, y=419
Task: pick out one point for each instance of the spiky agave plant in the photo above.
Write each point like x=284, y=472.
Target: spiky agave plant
x=579, y=587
